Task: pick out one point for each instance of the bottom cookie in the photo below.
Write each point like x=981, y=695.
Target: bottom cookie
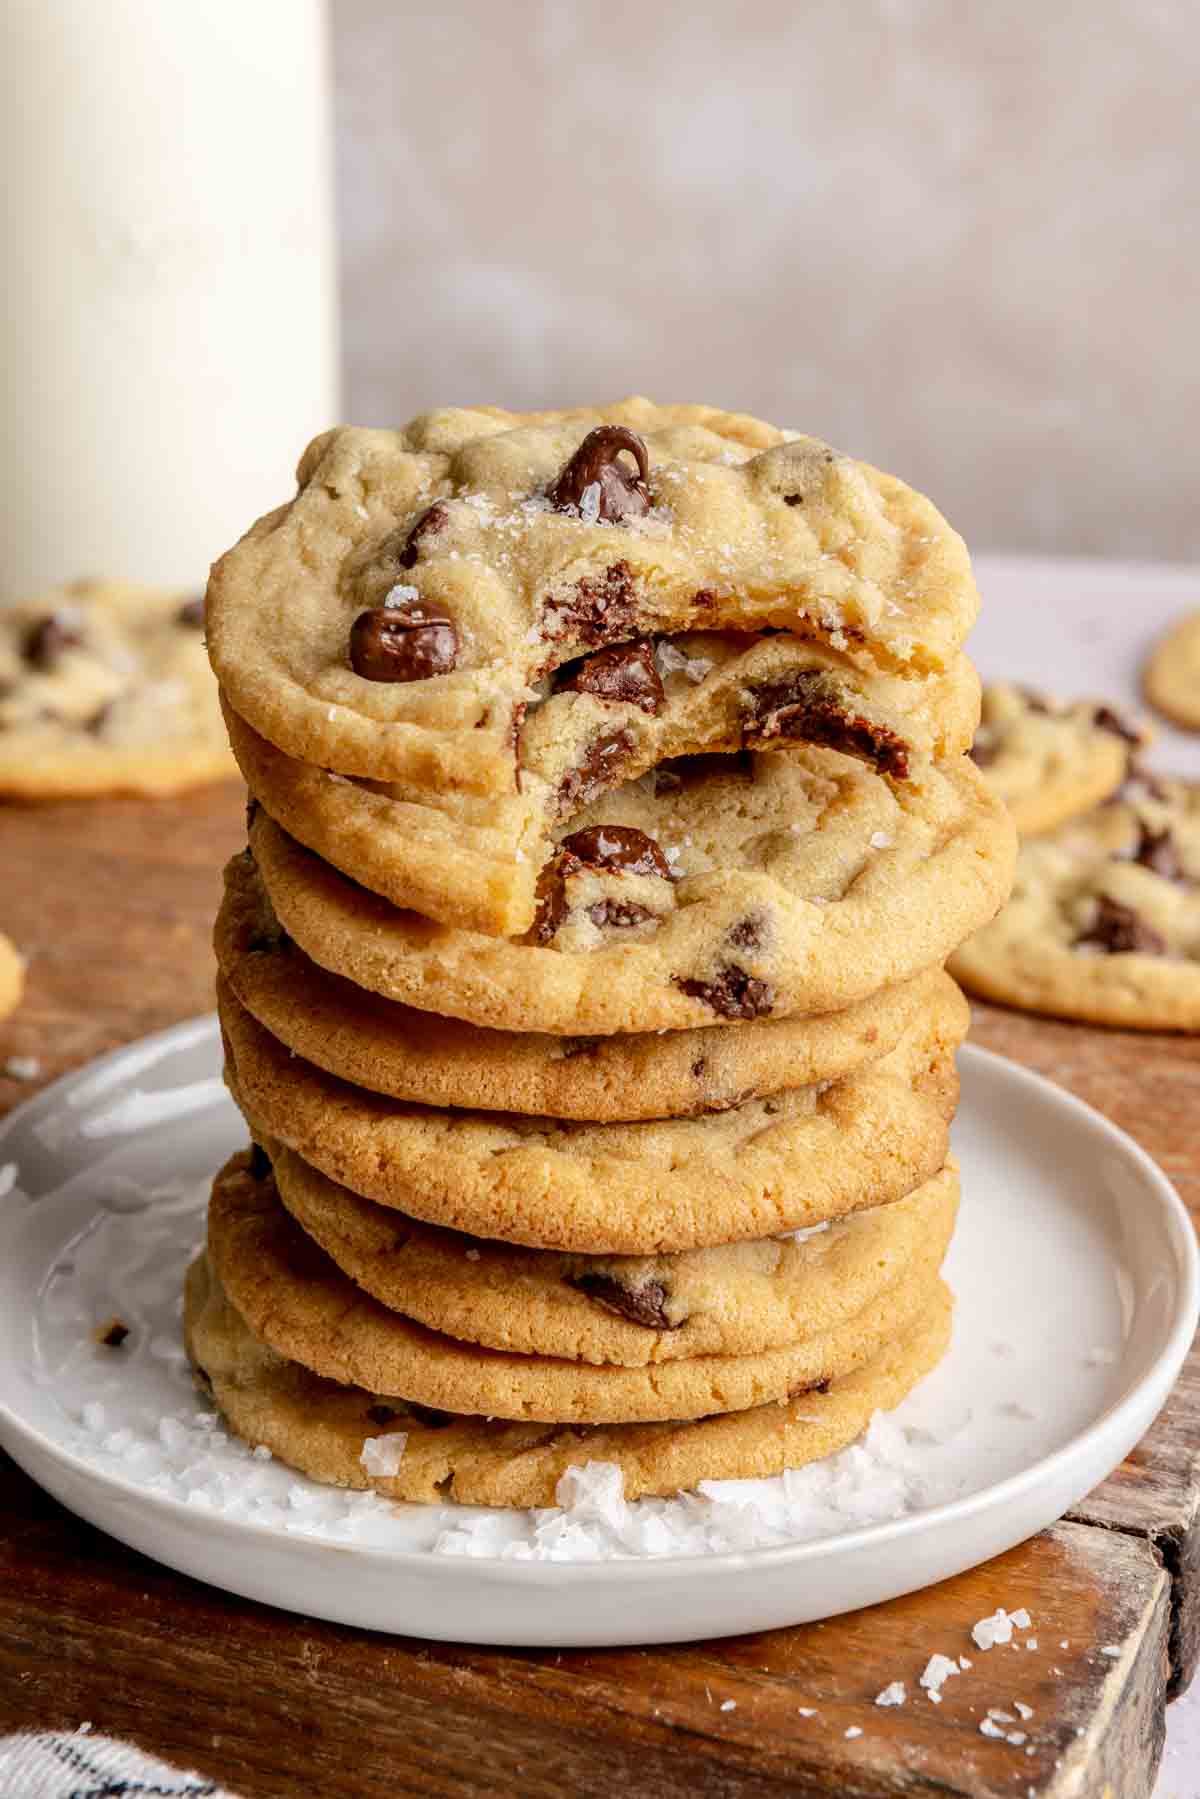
x=323, y=1430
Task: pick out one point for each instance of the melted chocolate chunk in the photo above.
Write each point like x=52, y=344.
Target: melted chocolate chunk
x=644, y=1304
x=700, y=1067
x=599, y=609
x=813, y=708
x=732, y=994
x=191, y=613
x=1105, y=719
x=112, y=1334
x=617, y=849
x=596, y=463
x=793, y=499
x=260, y=1166
x=1120, y=931
x=427, y=526
x=627, y=672
x=403, y=643
x=382, y=1414
x=1157, y=850
x=602, y=762
x=48, y=637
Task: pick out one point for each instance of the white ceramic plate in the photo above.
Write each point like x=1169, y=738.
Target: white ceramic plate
x=1076, y=1272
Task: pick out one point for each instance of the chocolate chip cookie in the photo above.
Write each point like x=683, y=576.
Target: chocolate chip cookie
x=728, y=888
x=105, y=688
x=474, y=860
x=765, y=1166
x=1049, y=760
x=394, y=620
x=296, y=1300
x=736, y=1299
x=321, y=1428
x=1171, y=679
x=394, y=1049
x=1104, y=921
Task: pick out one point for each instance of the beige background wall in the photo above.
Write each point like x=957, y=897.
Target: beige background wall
x=958, y=237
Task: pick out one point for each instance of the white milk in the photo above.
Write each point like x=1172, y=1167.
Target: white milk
x=169, y=339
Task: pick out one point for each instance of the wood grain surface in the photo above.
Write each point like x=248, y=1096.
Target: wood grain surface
x=112, y=903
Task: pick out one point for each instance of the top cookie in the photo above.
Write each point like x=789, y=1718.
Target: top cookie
x=105, y=688
x=392, y=620
x=1048, y=760
x=1172, y=675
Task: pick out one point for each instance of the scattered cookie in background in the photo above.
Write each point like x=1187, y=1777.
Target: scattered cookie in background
x=1171, y=679
x=1050, y=760
x=1104, y=921
x=12, y=977
x=105, y=688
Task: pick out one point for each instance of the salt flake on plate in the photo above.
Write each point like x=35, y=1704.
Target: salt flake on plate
x=383, y=1455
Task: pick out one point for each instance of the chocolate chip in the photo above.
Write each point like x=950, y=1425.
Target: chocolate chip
x=643, y=1304
x=402, y=643
x=732, y=994
x=48, y=637
x=627, y=673
x=748, y=932
x=812, y=707
x=112, y=1334
x=1157, y=850
x=596, y=464
x=1120, y=931
x=598, y=609
x=260, y=1165
x=617, y=915
x=96, y=724
x=1105, y=719
x=191, y=613
x=602, y=761
x=810, y=1386
x=793, y=499
x=578, y=1046
x=618, y=849
x=700, y=1067
x=427, y=526
x=983, y=753
x=382, y=1414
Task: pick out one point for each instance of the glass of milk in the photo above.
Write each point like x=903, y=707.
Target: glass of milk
x=169, y=342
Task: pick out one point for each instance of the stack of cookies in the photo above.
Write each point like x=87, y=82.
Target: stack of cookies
x=582, y=983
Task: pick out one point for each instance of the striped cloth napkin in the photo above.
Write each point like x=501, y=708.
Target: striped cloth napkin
x=78, y=1765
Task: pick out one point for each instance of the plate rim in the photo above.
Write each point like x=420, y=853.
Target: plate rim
x=1158, y=1380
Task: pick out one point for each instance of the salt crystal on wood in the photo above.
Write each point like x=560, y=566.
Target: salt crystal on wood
x=893, y=1694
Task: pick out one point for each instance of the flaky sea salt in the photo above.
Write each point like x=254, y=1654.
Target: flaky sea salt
x=938, y=1670
x=1023, y=1711
x=383, y=1455
x=589, y=503
x=729, y=1705
x=401, y=594
x=880, y=840
x=895, y=1693
x=855, y=1730
x=22, y=1068
x=999, y=1627
x=988, y=1729
x=1111, y=1650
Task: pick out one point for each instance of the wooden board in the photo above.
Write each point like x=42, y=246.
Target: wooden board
x=113, y=903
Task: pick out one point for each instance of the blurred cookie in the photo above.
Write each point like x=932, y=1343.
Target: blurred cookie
x=1104, y=920
x=105, y=688
x=1171, y=678
x=1048, y=760
x=12, y=977
x=347, y=1437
